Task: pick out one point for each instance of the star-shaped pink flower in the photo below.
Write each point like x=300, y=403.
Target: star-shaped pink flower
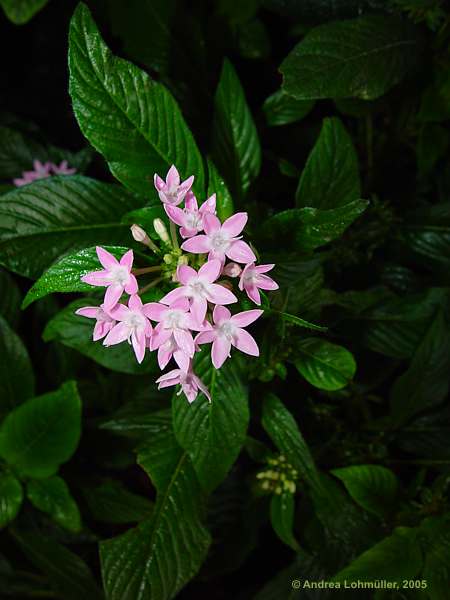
x=190, y=219
x=104, y=322
x=228, y=331
x=200, y=288
x=172, y=191
x=116, y=276
x=190, y=383
x=252, y=278
x=220, y=240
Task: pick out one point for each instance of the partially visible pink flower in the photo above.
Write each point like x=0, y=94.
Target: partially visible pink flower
x=228, y=331
x=62, y=169
x=252, y=278
x=132, y=325
x=170, y=349
x=200, y=288
x=104, y=322
x=173, y=320
x=221, y=239
x=190, y=383
x=232, y=269
x=116, y=276
x=190, y=219
x=172, y=191
x=41, y=171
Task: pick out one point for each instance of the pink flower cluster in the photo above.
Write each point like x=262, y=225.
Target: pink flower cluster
x=43, y=170
x=195, y=312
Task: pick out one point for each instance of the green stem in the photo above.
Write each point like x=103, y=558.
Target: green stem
x=146, y=270
x=150, y=285
x=173, y=235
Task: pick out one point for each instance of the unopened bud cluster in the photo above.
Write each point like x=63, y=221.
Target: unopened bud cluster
x=279, y=478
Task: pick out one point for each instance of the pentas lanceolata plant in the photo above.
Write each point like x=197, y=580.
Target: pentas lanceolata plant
x=42, y=171
x=195, y=312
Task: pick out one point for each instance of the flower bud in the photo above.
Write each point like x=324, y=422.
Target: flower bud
x=232, y=269
x=139, y=234
x=183, y=260
x=161, y=230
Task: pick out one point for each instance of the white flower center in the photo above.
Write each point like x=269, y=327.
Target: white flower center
x=198, y=289
x=120, y=275
x=251, y=276
x=174, y=319
x=226, y=329
x=193, y=220
x=219, y=241
x=136, y=321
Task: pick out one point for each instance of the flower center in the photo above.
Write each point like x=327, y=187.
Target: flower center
x=173, y=319
x=251, y=276
x=193, y=220
x=198, y=289
x=120, y=275
x=227, y=329
x=219, y=241
x=136, y=321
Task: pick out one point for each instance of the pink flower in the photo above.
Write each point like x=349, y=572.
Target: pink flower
x=104, y=322
x=171, y=349
x=62, y=169
x=200, y=288
x=220, y=239
x=133, y=326
x=252, y=279
x=190, y=383
x=116, y=276
x=174, y=321
x=232, y=269
x=190, y=218
x=41, y=171
x=228, y=331
x=172, y=191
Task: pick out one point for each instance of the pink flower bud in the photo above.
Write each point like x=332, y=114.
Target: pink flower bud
x=139, y=234
x=232, y=269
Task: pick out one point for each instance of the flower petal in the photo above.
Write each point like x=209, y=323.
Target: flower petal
x=185, y=274
x=190, y=202
x=175, y=214
x=197, y=245
x=112, y=296
x=178, y=292
x=132, y=285
x=99, y=278
x=173, y=177
x=220, y=351
x=127, y=260
x=235, y=224
x=107, y=260
x=245, y=342
x=266, y=283
x=240, y=252
x=90, y=312
x=253, y=294
x=210, y=270
x=246, y=317
x=264, y=268
x=211, y=223
x=205, y=337
x=221, y=314
x=159, y=337
x=100, y=330
x=184, y=341
x=209, y=205
x=119, y=312
x=182, y=360
x=198, y=309
x=154, y=311
x=158, y=182
x=220, y=295
x=164, y=355
x=135, y=303
x=138, y=342
x=119, y=333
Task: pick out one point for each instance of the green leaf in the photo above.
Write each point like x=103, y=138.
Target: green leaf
x=395, y=558
x=9, y=298
x=298, y=321
x=282, y=507
x=11, y=494
x=236, y=147
x=309, y=228
x=76, y=332
x=53, y=497
x=324, y=365
x=65, y=275
x=111, y=502
x=331, y=177
x=213, y=433
x=131, y=119
x=281, y=109
x=436, y=570
x=285, y=434
x=16, y=370
x=21, y=11
x=42, y=433
x=68, y=574
x=217, y=185
x=145, y=217
x=373, y=487
x=426, y=382
x=361, y=58
x=157, y=558
x=59, y=215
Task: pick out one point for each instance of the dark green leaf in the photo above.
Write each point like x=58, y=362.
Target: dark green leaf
x=282, y=507
x=309, y=228
x=11, y=496
x=217, y=185
x=65, y=275
x=236, y=148
x=213, y=433
x=76, y=332
x=395, y=558
x=331, y=177
x=111, y=502
x=157, y=558
x=58, y=215
x=325, y=365
x=281, y=109
x=145, y=217
x=42, y=433
x=372, y=486
x=360, y=58
x=21, y=11
x=285, y=434
x=53, y=497
x=16, y=370
x=9, y=298
x=131, y=119
x=298, y=321
x=436, y=570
